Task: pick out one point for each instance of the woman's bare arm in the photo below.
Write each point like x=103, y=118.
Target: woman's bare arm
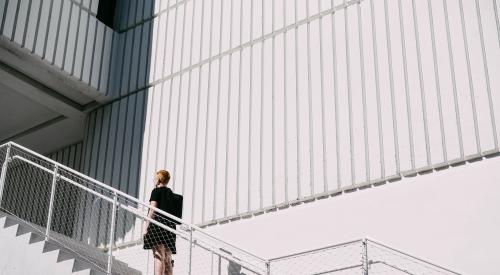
x=150, y=215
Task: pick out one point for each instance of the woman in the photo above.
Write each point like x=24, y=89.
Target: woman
x=162, y=241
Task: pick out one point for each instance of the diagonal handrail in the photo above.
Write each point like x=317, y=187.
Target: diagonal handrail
x=364, y=242
x=410, y=256
x=315, y=250
x=191, y=227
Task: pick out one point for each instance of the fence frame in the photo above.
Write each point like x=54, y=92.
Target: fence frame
x=56, y=176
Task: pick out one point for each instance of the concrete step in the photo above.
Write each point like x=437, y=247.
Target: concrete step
x=21, y=243
x=91, y=254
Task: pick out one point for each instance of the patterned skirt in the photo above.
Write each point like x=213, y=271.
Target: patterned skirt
x=159, y=236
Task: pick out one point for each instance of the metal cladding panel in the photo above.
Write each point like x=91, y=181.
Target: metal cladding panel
x=70, y=156
x=64, y=33
x=255, y=105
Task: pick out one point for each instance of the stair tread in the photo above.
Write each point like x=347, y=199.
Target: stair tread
x=86, y=258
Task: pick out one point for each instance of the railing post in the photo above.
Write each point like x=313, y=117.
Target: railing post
x=3, y=174
x=268, y=268
x=112, y=233
x=212, y=264
x=219, y=265
x=365, y=257
x=190, y=249
x=51, y=203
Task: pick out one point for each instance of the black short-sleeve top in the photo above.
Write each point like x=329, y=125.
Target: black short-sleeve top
x=163, y=197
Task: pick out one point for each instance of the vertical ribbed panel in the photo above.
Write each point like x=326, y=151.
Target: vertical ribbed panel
x=64, y=33
x=113, y=148
x=258, y=104
x=70, y=156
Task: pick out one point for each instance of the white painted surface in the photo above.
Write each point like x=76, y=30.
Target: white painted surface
x=450, y=218
x=23, y=257
x=199, y=142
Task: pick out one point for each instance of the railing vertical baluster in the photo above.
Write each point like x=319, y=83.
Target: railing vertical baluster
x=112, y=234
x=365, y=257
x=3, y=174
x=268, y=268
x=497, y=21
x=219, y=265
x=212, y=263
x=51, y=204
x=190, y=249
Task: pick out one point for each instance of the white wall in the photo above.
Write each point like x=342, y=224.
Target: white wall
x=244, y=127
x=184, y=106
x=450, y=218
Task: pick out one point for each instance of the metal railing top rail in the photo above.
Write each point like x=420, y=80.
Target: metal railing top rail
x=366, y=241
x=410, y=256
x=201, y=243
x=117, y=192
x=315, y=250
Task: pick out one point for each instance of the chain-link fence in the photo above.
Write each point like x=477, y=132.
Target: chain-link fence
x=92, y=220
x=357, y=257
x=386, y=260
x=340, y=259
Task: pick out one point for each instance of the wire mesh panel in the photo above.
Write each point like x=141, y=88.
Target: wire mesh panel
x=53, y=201
x=208, y=259
x=203, y=260
x=191, y=250
x=357, y=257
x=26, y=188
x=97, y=222
x=160, y=237
x=385, y=260
x=3, y=152
x=339, y=259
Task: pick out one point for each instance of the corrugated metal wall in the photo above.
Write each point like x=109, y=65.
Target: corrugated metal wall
x=113, y=143
x=64, y=33
x=112, y=154
x=258, y=104
x=70, y=156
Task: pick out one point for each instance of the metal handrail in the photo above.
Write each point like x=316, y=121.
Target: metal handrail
x=314, y=250
x=100, y=196
x=414, y=257
x=367, y=240
x=118, y=192
x=130, y=209
x=187, y=234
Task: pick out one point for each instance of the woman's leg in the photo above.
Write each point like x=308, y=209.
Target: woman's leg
x=167, y=264
x=159, y=259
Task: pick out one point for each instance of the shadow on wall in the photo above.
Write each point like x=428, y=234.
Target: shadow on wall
x=114, y=131
x=28, y=189
x=111, y=149
x=26, y=193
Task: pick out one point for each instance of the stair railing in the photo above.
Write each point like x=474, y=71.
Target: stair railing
x=51, y=183
x=68, y=182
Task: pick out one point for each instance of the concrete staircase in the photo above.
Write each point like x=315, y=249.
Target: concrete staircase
x=24, y=250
